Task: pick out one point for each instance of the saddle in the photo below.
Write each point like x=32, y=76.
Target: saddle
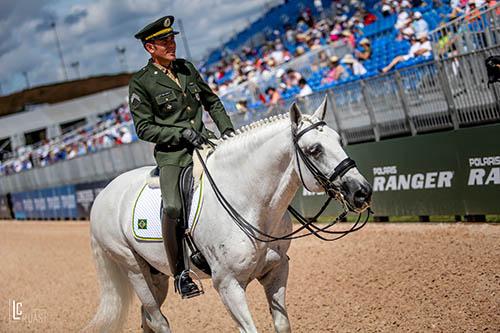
x=186, y=189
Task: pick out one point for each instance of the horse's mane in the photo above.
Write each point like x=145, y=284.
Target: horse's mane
x=242, y=136
x=243, y=140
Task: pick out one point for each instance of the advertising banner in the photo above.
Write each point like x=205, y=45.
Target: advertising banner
x=447, y=173
x=5, y=212
x=52, y=203
x=85, y=196
x=17, y=205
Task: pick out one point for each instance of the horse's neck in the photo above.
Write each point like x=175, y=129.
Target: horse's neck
x=260, y=166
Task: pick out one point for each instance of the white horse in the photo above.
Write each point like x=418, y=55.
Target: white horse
x=259, y=172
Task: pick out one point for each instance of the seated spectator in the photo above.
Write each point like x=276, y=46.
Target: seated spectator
x=386, y=8
x=299, y=51
x=402, y=20
x=419, y=24
x=406, y=4
x=273, y=96
x=406, y=32
x=279, y=54
x=301, y=25
x=337, y=71
x=473, y=13
x=290, y=34
x=420, y=47
x=305, y=89
x=322, y=59
x=242, y=106
x=348, y=38
x=365, y=52
x=458, y=8
x=353, y=66
x=336, y=33
x=446, y=45
x=126, y=136
x=292, y=78
x=492, y=3
x=368, y=18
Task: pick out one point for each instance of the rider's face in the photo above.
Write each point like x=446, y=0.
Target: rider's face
x=163, y=49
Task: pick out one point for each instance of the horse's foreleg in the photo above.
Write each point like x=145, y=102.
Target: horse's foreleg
x=274, y=283
x=233, y=296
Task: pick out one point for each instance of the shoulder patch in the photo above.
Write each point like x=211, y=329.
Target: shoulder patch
x=135, y=101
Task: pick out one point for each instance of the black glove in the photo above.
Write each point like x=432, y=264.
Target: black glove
x=193, y=137
x=229, y=132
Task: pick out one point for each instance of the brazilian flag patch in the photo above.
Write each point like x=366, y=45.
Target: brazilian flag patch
x=142, y=224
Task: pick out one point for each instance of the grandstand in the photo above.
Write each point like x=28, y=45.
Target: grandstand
x=386, y=44
x=442, y=91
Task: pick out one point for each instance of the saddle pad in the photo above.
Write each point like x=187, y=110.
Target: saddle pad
x=146, y=219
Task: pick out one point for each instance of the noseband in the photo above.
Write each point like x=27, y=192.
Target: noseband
x=327, y=182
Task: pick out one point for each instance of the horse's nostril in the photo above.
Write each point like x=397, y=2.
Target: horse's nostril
x=361, y=193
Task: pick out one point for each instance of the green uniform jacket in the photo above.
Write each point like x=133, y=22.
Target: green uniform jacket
x=161, y=110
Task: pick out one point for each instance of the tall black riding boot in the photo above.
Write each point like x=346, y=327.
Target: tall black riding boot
x=172, y=232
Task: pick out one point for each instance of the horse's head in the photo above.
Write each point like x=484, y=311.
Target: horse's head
x=323, y=164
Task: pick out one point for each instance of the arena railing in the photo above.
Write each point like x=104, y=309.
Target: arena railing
x=436, y=95
x=476, y=30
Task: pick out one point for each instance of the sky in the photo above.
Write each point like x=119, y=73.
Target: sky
x=90, y=31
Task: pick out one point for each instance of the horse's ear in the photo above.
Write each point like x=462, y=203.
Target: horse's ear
x=321, y=111
x=295, y=115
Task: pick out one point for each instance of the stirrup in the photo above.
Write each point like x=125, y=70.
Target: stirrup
x=194, y=293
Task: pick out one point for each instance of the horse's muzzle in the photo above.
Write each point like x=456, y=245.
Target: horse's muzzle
x=363, y=196
x=358, y=193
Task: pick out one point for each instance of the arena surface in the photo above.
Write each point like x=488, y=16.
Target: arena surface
x=385, y=278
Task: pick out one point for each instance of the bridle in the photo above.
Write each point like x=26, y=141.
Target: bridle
x=327, y=182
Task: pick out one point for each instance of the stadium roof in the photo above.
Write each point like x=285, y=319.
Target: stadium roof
x=43, y=117
x=59, y=92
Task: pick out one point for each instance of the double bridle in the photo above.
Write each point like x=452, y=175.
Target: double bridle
x=327, y=182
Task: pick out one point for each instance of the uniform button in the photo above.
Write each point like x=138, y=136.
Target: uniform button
x=189, y=108
x=192, y=121
x=184, y=94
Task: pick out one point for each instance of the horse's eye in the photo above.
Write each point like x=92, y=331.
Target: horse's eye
x=315, y=150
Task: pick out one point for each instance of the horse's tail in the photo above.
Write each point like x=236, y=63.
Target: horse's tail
x=116, y=294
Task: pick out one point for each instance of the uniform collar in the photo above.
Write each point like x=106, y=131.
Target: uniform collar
x=164, y=79
x=161, y=67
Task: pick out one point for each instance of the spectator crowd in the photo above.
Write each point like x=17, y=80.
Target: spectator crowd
x=114, y=128
x=345, y=24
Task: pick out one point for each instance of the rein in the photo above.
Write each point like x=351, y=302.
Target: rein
x=309, y=224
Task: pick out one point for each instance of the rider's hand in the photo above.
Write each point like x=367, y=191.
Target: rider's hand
x=229, y=132
x=193, y=137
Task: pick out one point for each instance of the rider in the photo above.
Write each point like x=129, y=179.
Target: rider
x=166, y=99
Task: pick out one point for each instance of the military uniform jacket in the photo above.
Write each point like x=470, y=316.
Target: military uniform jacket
x=161, y=110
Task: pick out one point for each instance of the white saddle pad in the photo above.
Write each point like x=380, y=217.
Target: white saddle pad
x=146, y=221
